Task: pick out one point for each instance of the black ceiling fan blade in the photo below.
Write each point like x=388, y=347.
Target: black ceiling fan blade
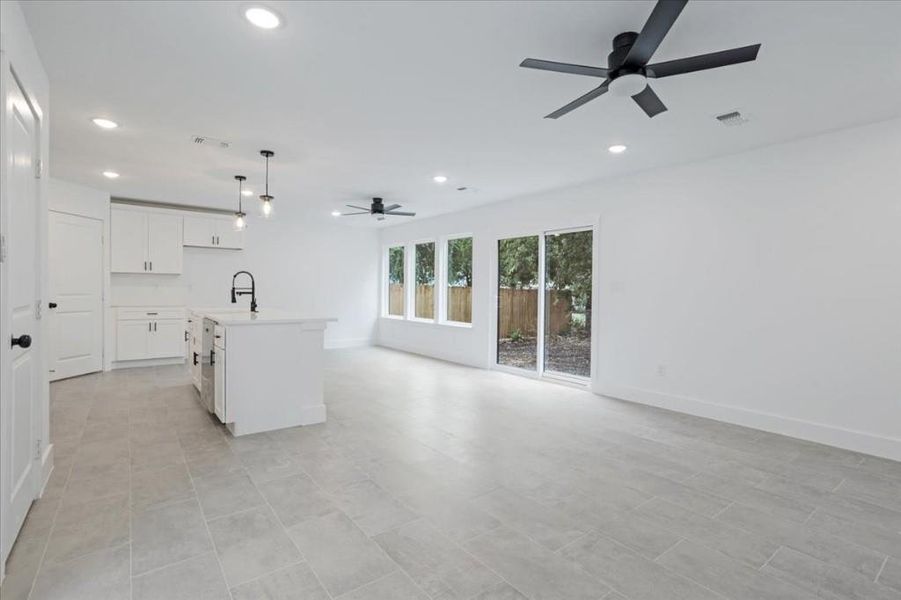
x=401, y=214
x=391, y=207
x=655, y=29
x=701, y=62
x=366, y=208
x=559, y=67
x=598, y=91
x=649, y=102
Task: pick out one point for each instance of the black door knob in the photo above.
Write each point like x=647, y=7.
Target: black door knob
x=52, y=304
x=23, y=340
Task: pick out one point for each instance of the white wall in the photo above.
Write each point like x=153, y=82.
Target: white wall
x=768, y=284
x=316, y=268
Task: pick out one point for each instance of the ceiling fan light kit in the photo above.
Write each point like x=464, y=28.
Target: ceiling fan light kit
x=628, y=71
x=378, y=210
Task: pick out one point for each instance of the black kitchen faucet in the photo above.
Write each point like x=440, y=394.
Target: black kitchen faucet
x=252, y=290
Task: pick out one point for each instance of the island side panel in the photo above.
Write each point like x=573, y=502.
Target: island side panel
x=274, y=376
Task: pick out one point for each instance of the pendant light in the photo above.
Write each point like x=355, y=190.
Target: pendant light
x=266, y=206
x=240, y=216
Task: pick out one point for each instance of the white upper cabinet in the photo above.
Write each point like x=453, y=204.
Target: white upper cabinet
x=145, y=242
x=128, y=241
x=212, y=231
x=164, y=243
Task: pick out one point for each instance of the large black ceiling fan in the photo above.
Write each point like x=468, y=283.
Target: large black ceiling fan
x=628, y=70
x=379, y=210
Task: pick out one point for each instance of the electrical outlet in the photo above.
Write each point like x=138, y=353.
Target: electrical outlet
x=661, y=370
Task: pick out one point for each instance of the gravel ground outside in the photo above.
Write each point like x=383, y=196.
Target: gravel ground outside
x=569, y=354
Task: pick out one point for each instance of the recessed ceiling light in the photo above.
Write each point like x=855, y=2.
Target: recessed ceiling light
x=617, y=149
x=110, y=174
x=262, y=17
x=336, y=213
x=247, y=192
x=439, y=178
x=104, y=123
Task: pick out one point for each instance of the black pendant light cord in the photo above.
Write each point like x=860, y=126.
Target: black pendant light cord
x=268, y=154
x=240, y=179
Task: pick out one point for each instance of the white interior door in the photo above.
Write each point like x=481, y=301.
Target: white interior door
x=20, y=416
x=76, y=295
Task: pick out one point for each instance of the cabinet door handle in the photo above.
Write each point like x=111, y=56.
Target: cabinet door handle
x=212, y=240
x=195, y=358
x=151, y=265
x=212, y=357
x=145, y=265
x=149, y=326
x=154, y=325
x=152, y=314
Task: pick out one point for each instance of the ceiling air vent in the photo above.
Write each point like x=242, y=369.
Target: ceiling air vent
x=203, y=140
x=732, y=119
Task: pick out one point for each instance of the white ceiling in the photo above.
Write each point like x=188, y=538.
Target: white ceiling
x=374, y=98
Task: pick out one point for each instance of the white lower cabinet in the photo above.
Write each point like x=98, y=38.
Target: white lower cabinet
x=219, y=400
x=132, y=339
x=145, y=333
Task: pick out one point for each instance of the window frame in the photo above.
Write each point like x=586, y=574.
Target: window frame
x=442, y=296
x=411, y=293
x=386, y=285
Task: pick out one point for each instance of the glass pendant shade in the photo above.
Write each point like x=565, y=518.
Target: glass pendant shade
x=266, y=206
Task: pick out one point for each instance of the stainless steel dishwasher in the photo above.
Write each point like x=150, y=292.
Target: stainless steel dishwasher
x=207, y=366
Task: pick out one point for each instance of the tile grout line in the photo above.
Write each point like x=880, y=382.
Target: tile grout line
x=285, y=530
x=52, y=528
x=772, y=556
x=207, y=528
x=882, y=568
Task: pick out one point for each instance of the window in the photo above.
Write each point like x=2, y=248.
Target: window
x=396, y=281
x=459, y=280
x=425, y=280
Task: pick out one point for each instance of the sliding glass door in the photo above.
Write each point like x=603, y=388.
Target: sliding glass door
x=567, y=303
x=517, y=302
x=544, y=303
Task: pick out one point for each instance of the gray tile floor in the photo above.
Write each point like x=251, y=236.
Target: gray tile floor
x=432, y=480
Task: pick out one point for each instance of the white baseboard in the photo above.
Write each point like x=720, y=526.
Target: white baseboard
x=347, y=343
x=433, y=352
x=849, y=439
x=46, y=468
x=151, y=362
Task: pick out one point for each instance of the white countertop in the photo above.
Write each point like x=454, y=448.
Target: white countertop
x=269, y=316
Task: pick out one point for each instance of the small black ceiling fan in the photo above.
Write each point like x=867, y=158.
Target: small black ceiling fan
x=628, y=70
x=379, y=210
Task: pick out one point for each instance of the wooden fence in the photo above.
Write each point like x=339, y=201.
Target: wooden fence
x=518, y=308
x=459, y=302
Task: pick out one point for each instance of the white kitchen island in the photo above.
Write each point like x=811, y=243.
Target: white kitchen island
x=263, y=371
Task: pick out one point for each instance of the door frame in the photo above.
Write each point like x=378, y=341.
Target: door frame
x=44, y=453
x=540, y=372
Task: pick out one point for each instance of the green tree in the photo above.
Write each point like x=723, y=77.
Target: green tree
x=518, y=262
x=459, y=262
x=396, y=264
x=568, y=267
x=425, y=263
